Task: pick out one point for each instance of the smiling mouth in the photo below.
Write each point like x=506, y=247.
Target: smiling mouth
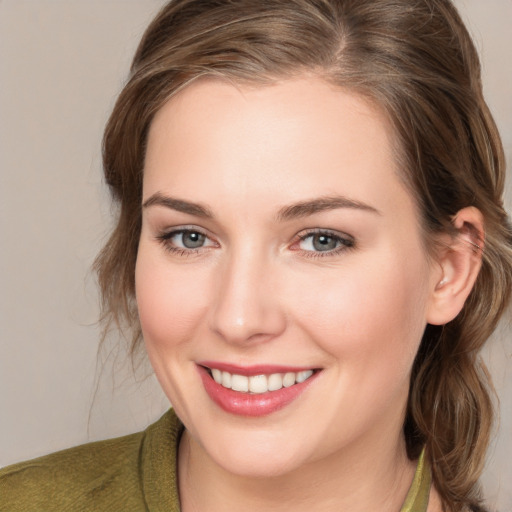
x=258, y=384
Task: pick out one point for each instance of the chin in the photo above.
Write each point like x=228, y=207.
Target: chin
x=253, y=452
x=259, y=466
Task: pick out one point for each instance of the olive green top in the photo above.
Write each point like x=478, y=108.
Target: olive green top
x=131, y=473
x=417, y=497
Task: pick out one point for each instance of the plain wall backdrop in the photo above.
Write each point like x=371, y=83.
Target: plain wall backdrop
x=62, y=63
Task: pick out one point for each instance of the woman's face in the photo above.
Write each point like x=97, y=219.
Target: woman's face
x=279, y=253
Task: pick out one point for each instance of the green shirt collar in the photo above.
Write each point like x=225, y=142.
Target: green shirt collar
x=160, y=479
x=417, y=497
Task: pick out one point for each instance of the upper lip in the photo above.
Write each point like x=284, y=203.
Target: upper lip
x=250, y=370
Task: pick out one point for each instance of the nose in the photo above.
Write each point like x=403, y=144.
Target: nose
x=247, y=307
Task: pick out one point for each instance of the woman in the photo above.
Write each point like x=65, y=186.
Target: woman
x=312, y=244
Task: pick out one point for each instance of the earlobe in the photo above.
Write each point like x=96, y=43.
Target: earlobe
x=459, y=264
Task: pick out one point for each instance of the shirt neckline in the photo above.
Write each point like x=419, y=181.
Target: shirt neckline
x=158, y=462
x=417, y=497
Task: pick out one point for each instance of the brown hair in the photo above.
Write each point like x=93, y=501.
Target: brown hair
x=413, y=58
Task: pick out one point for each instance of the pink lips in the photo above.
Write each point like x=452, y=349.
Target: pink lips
x=247, y=404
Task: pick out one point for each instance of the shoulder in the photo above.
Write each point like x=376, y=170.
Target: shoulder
x=105, y=475
x=74, y=477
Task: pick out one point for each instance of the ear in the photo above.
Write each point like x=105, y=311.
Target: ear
x=459, y=262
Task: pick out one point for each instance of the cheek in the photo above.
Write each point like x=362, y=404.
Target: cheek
x=369, y=314
x=170, y=304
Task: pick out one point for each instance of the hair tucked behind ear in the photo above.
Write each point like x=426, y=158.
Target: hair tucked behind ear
x=413, y=59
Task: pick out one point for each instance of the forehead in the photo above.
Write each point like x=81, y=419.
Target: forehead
x=280, y=142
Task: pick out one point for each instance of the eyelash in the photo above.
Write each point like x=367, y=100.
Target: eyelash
x=346, y=242
x=165, y=240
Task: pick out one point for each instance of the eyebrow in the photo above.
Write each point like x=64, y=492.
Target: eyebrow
x=293, y=211
x=321, y=204
x=179, y=205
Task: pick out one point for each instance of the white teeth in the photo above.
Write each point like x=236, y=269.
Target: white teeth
x=275, y=382
x=302, y=376
x=239, y=383
x=259, y=383
x=226, y=380
x=288, y=379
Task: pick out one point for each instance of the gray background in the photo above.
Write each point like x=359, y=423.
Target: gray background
x=62, y=62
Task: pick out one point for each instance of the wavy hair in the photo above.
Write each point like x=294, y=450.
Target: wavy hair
x=417, y=62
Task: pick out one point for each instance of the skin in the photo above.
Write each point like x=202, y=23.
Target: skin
x=256, y=293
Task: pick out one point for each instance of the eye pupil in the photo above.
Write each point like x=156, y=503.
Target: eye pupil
x=324, y=242
x=193, y=239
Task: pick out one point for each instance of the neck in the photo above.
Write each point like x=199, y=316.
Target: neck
x=365, y=476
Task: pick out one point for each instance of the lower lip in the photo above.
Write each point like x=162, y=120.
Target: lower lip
x=249, y=404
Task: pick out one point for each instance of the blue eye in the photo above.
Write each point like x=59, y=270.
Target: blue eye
x=324, y=242
x=319, y=242
x=185, y=240
x=189, y=239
